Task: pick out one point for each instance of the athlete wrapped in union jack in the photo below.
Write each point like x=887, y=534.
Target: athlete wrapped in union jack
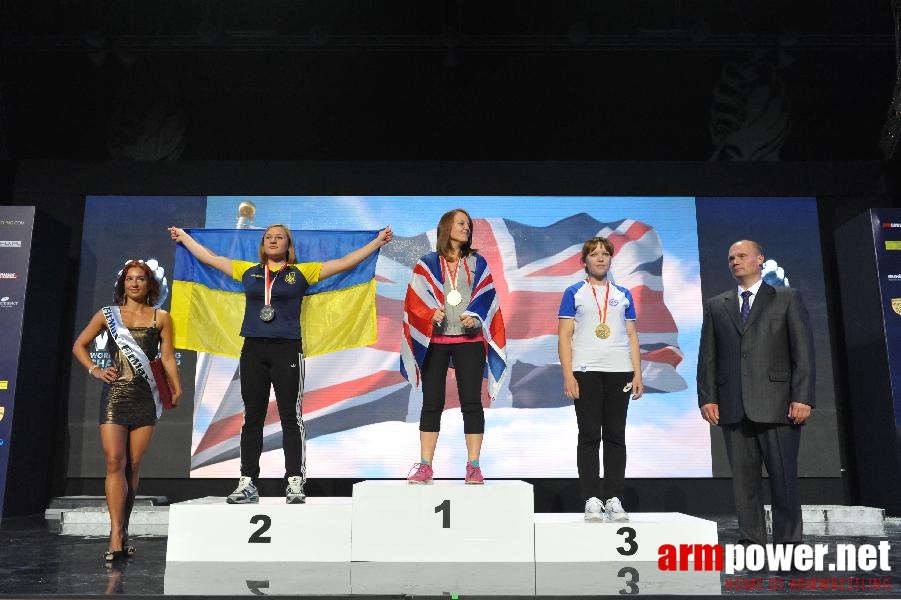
x=452, y=317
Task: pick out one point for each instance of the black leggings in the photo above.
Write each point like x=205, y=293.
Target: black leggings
x=469, y=364
x=601, y=415
x=277, y=363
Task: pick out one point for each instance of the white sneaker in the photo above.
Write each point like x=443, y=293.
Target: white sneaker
x=594, y=510
x=614, y=510
x=294, y=491
x=245, y=493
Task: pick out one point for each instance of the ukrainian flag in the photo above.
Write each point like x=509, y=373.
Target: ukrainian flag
x=208, y=306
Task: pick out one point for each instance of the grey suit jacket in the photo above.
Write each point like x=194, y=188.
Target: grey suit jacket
x=759, y=368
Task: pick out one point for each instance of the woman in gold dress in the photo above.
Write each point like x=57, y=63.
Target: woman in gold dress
x=129, y=404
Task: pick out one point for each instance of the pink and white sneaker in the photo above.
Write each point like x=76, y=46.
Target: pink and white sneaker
x=420, y=474
x=473, y=475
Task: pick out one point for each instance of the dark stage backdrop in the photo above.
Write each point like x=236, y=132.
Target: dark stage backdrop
x=673, y=249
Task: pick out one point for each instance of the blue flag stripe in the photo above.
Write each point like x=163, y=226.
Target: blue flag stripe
x=243, y=244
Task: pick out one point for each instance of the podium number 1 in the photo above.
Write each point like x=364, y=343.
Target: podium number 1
x=444, y=508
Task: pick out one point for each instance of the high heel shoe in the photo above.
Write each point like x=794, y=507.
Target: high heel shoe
x=130, y=550
x=115, y=555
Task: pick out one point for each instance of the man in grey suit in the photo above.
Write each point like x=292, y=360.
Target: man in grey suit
x=756, y=381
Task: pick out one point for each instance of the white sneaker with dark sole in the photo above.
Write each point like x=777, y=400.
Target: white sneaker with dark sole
x=245, y=493
x=294, y=491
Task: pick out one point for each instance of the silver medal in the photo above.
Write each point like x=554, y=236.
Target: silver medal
x=267, y=313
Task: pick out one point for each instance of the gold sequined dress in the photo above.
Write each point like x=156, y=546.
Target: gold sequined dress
x=128, y=400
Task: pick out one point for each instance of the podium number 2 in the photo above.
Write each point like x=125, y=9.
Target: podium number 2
x=444, y=508
x=257, y=536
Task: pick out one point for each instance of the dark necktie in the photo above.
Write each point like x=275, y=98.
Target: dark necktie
x=745, y=305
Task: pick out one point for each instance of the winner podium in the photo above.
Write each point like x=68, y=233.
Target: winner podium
x=392, y=537
x=447, y=521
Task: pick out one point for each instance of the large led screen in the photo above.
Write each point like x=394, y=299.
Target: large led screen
x=361, y=416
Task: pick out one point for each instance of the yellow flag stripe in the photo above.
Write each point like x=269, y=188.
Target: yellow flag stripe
x=209, y=321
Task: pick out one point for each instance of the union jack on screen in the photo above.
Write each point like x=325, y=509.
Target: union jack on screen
x=531, y=267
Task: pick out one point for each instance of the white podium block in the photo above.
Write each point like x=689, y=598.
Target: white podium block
x=567, y=538
x=94, y=520
x=447, y=522
x=225, y=579
x=622, y=579
x=209, y=530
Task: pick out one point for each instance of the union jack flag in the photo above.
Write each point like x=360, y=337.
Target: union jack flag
x=531, y=266
x=425, y=294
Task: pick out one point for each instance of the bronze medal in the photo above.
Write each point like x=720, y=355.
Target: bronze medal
x=602, y=331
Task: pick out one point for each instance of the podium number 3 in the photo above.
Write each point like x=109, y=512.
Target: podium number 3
x=444, y=508
x=257, y=536
x=631, y=583
x=631, y=546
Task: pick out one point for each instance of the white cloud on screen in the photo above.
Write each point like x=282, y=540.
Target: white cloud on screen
x=357, y=210
x=682, y=291
x=542, y=445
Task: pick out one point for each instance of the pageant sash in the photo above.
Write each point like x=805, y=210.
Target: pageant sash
x=131, y=351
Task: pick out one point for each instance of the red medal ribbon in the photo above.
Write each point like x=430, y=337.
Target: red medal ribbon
x=453, y=276
x=267, y=290
x=602, y=317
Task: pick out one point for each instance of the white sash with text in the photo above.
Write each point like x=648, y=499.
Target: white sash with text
x=131, y=351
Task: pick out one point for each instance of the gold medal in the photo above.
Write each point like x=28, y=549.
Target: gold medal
x=602, y=331
x=454, y=298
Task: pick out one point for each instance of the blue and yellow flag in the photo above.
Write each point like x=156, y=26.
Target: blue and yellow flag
x=208, y=306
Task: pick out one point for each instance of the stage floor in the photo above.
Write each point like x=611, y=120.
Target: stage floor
x=36, y=561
